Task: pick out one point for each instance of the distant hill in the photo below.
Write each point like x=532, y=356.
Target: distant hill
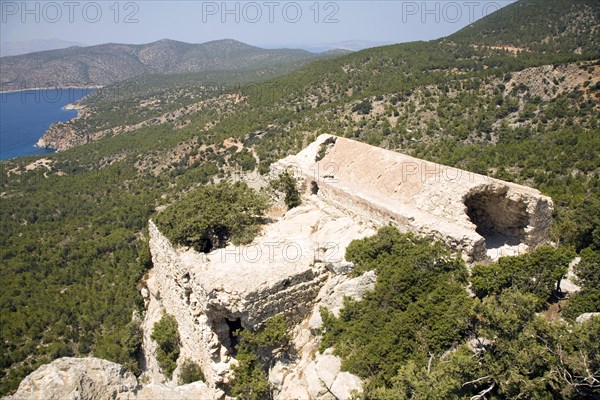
x=347, y=45
x=30, y=46
x=73, y=247
x=112, y=62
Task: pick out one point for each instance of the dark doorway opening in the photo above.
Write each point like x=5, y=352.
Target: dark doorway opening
x=314, y=187
x=500, y=220
x=235, y=326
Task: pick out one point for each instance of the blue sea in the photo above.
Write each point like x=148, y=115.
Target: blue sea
x=26, y=115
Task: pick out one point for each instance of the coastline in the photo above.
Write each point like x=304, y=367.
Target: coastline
x=3, y=91
x=69, y=97
x=74, y=106
x=41, y=143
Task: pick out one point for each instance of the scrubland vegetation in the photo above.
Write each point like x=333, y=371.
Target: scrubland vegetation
x=73, y=245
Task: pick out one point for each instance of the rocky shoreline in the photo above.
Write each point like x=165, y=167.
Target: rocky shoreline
x=62, y=135
x=2, y=90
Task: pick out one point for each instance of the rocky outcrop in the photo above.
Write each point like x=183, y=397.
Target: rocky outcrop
x=78, y=378
x=568, y=284
x=474, y=215
x=310, y=374
x=550, y=81
x=192, y=391
x=333, y=293
x=587, y=316
x=64, y=135
x=96, y=379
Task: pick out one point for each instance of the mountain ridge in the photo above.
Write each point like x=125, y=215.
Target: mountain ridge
x=107, y=63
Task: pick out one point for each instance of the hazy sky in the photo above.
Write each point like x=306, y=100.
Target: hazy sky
x=262, y=23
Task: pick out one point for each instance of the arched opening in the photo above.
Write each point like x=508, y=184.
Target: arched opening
x=235, y=326
x=500, y=220
x=215, y=237
x=204, y=245
x=314, y=187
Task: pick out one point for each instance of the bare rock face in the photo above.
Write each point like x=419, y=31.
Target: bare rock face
x=311, y=375
x=473, y=214
x=326, y=380
x=78, y=379
x=334, y=292
x=568, y=284
x=96, y=379
x=192, y=391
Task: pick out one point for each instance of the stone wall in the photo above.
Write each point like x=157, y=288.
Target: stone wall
x=473, y=214
x=281, y=272
x=174, y=293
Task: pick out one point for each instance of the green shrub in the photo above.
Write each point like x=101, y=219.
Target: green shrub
x=166, y=335
x=537, y=273
x=419, y=306
x=122, y=346
x=286, y=184
x=322, y=152
x=190, y=372
x=588, y=276
x=364, y=107
x=245, y=159
x=211, y=215
x=254, y=355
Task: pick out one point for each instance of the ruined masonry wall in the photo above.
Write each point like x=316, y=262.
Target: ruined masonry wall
x=197, y=336
x=201, y=295
x=383, y=187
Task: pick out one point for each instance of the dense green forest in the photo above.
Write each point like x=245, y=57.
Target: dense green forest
x=73, y=246
x=419, y=334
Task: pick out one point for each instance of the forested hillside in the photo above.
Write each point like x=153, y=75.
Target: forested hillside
x=73, y=245
x=108, y=63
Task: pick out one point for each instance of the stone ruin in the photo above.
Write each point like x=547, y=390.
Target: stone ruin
x=351, y=189
x=475, y=215
x=296, y=266
x=213, y=295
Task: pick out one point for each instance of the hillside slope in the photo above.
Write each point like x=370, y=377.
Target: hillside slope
x=72, y=247
x=108, y=63
x=556, y=26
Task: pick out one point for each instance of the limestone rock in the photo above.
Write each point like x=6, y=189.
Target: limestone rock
x=333, y=294
x=314, y=386
x=192, y=391
x=154, y=313
x=78, y=379
x=310, y=374
x=326, y=381
x=345, y=384
x=567, y=284
x=340, y=267
x=96, y=379
x=587, y=316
